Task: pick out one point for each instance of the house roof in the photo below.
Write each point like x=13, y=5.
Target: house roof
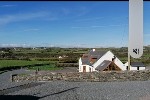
x=92, y=54
x=97, y=53
x=85, y=61
x=137, y=64
x=103, y=65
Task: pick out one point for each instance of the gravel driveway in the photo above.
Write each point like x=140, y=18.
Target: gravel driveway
x=60, y=90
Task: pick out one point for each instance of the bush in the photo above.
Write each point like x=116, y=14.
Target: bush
x=68, y=60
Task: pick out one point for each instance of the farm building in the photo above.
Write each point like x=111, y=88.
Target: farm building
x=135, y=66
x=100, y=61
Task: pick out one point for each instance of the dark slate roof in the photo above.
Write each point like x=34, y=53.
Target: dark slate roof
x=103, y=65
x=137, y=64
x=85, y=61
x=95, y=54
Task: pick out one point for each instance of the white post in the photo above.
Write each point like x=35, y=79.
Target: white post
x=128, y=61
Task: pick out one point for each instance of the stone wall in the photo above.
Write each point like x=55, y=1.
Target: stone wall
x=87, y=77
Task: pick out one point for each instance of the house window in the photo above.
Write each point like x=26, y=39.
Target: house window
x=93, y=60
x=84, y=68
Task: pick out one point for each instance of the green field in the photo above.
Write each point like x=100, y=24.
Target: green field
x=8, y=63
x=28, y=57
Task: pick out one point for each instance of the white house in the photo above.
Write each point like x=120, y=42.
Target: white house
x=135, y=66
x=60, y=57
x=100, y=61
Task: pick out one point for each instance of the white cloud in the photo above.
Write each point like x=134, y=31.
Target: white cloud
x=5, y=19
x=8, y=5
x=97, y=26
x=31, y=29
x=147, y=35
x=90, y=19
x=24, y=30
x=14, y=45
x=114, y=25
x=65, y=11
x=82, y=11
x=79, y=27
x=100, y=26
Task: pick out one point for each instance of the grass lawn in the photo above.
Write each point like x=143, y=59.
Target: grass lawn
x=8, y=63
x=11, y=63
x=46, y=67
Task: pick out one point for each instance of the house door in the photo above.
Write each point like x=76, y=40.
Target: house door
x=89, y=69
x=138, y=68
x=127, y=68
x=84, y=68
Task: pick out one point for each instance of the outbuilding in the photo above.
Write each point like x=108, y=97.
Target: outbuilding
x=136, y=66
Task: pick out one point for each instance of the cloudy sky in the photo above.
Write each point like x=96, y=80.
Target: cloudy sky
x=68, y=24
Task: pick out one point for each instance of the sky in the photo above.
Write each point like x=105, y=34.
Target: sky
x=67, y=24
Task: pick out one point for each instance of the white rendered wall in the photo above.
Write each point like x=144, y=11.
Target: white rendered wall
x=87, y=68
x=133, y=68
x=80, y=65
x=142, y=68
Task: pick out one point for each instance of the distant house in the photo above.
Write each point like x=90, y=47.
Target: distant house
x=100, y=61
x=60, y=57
x=135, y=66
x=64, y=56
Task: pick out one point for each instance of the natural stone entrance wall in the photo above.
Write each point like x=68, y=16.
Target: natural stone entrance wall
x=87, y=77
